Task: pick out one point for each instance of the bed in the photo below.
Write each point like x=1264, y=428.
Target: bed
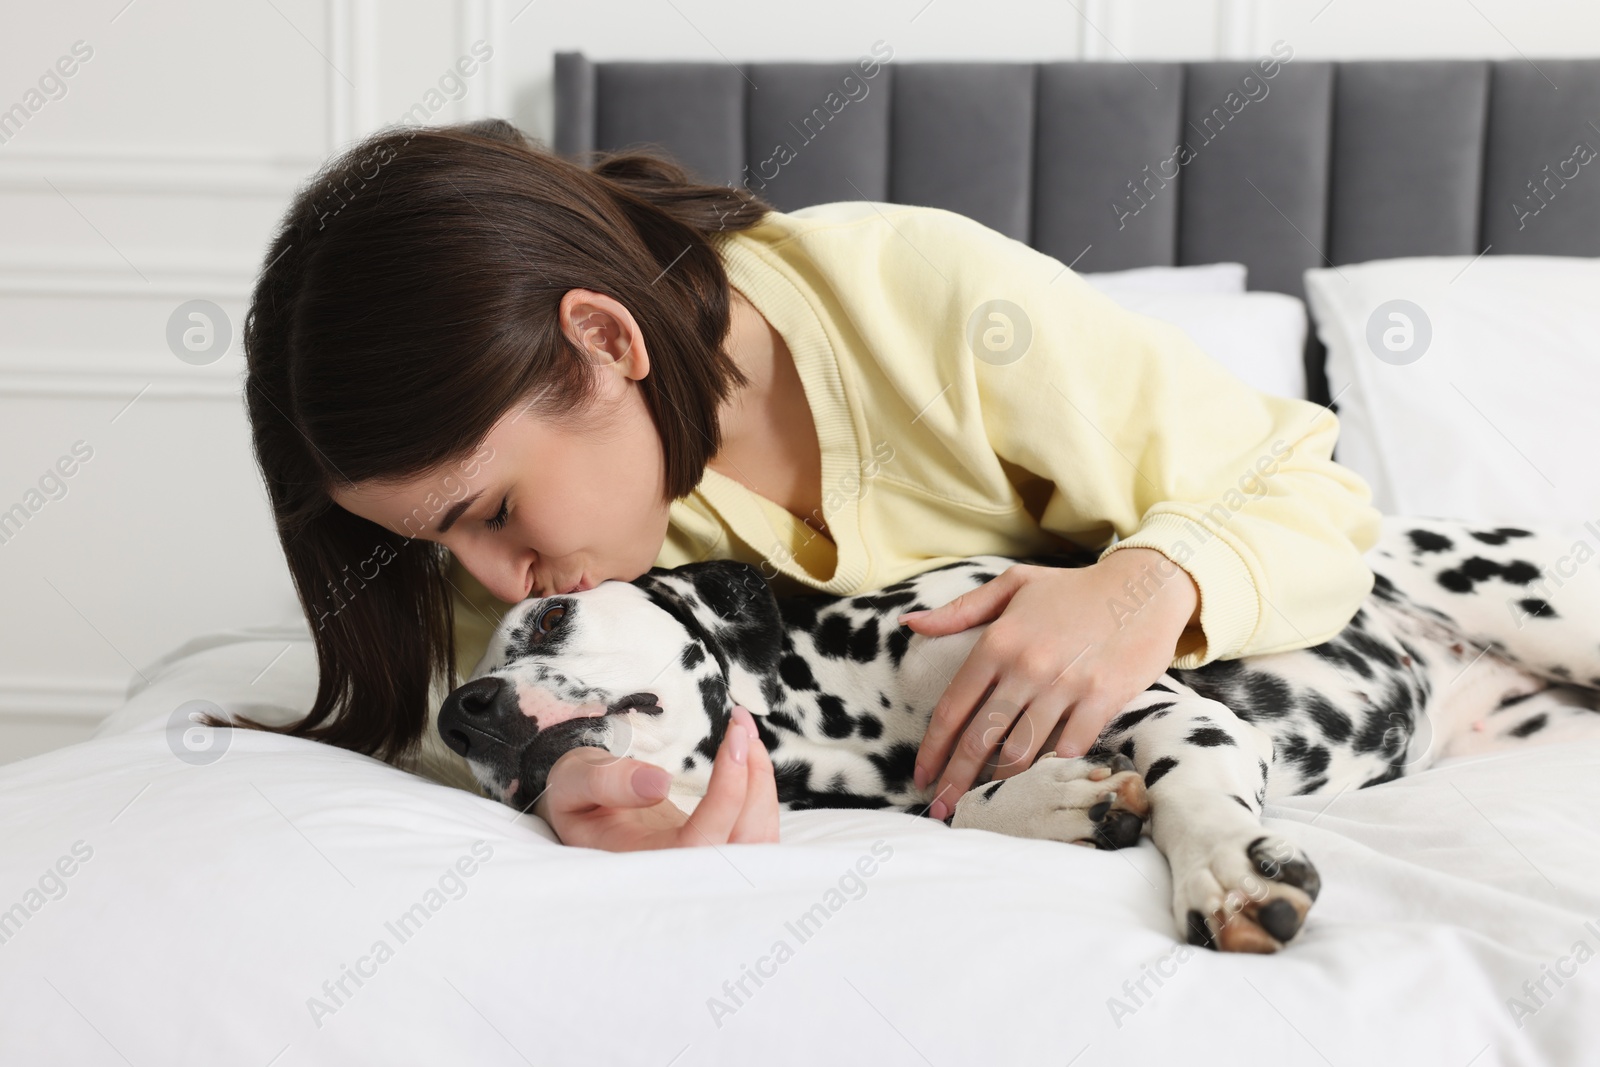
x=190, y=897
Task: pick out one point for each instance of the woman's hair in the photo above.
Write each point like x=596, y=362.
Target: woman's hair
x=408, y=301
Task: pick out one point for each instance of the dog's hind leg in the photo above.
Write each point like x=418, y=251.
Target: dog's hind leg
x=1529, y=595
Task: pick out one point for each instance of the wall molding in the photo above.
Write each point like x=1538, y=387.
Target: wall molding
x=353, y=44
x=59, y=700
x=485, y=20
x=155, y=385
x=169, y=171
x=1239, y=29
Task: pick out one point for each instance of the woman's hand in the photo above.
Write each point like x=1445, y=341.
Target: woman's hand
x=1059, y=649
x=596, y=800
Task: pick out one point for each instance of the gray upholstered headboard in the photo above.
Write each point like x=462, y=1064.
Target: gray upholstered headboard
x=1322, y=163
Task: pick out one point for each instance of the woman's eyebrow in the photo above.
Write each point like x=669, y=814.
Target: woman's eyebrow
x=456, y=511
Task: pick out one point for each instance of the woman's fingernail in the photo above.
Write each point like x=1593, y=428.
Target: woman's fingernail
x=910, y=615
x=919, y=777
x=749, y=719
x=738, y=742
x=651, y=781
x=939, y=810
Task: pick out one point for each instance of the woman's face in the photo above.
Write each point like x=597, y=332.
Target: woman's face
x=548, y=510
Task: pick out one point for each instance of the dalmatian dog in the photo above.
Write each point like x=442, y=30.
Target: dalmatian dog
x=1460, y=648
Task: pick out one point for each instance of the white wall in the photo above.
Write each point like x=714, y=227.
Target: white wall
x=156, y=177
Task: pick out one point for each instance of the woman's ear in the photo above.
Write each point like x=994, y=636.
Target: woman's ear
x=729, y=607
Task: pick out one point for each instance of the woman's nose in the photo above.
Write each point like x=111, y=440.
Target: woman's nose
x=504, y=574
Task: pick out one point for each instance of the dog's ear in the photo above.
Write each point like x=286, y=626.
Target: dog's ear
x=729, y=607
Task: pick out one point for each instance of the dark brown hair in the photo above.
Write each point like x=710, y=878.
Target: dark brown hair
x=409, y=300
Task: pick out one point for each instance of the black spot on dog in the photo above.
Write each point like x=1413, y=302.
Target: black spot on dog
x=883, y=699
x=895, y=766
x=1461, y=579
x=1500, y=535
x=836, y=722
x=1129, y=719
x=1532, y=726
x=1098, y=810
x=988, y=791
x=1428, y=541
x=832, y=636
x=1210, y=737
x=714, y=699
x=1158, y=770
x=1239, y=800
x=1387, y=776
x=863, y=644
x=692, y=656
x=1127, y=748
x=883, y=603
x=1312, y=760
x=1157, y=687
x=768, y=736
x=793, y=777
x=1339, y=655
x=1538, y=607
x=796, y=672
x=869, y=726
x=800, y=612
x=1372, y=649
x=782, y=719
x=1334, y=724
x=896, y=644
x=1513, y=701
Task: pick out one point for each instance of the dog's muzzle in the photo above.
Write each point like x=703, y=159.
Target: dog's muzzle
x=484, y=718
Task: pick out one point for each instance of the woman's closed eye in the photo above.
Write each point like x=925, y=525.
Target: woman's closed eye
x=499, y=518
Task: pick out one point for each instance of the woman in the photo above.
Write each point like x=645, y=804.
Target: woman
x=479, y=372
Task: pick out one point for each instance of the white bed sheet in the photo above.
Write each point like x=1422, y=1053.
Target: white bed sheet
x=220, y=897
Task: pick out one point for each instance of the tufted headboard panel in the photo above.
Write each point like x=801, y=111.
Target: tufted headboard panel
x=1112, y=165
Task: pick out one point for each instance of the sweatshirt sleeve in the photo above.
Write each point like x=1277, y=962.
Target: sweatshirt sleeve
x=1110, y=419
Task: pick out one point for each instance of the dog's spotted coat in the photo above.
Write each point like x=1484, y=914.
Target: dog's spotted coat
x=1456, y=650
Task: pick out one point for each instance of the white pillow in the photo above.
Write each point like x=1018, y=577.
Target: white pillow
x=1465, y=385
x=1259, y=336
x=1203, y=278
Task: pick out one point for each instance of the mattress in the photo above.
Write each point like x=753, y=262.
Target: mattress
x=258, y=899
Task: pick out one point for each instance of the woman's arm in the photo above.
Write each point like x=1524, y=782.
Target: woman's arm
x=1231, y=529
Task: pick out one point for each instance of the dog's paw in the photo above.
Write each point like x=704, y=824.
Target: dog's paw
x=1249, y=893
x=1059, y=799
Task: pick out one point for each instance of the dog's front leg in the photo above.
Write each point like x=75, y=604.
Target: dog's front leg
x=1235, y=886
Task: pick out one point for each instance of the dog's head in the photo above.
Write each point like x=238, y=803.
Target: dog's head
x=650, y=668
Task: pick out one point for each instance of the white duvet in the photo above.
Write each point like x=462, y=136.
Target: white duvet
x=291, y=903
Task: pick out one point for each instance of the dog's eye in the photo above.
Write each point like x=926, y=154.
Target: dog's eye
x=549, y=617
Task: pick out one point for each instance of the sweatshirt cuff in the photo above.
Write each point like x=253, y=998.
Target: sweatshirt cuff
x=1230, y=606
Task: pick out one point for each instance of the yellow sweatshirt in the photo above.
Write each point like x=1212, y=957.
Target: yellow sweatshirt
x=973, y=395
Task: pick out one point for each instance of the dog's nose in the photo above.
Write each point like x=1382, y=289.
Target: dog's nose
x=479, y=706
